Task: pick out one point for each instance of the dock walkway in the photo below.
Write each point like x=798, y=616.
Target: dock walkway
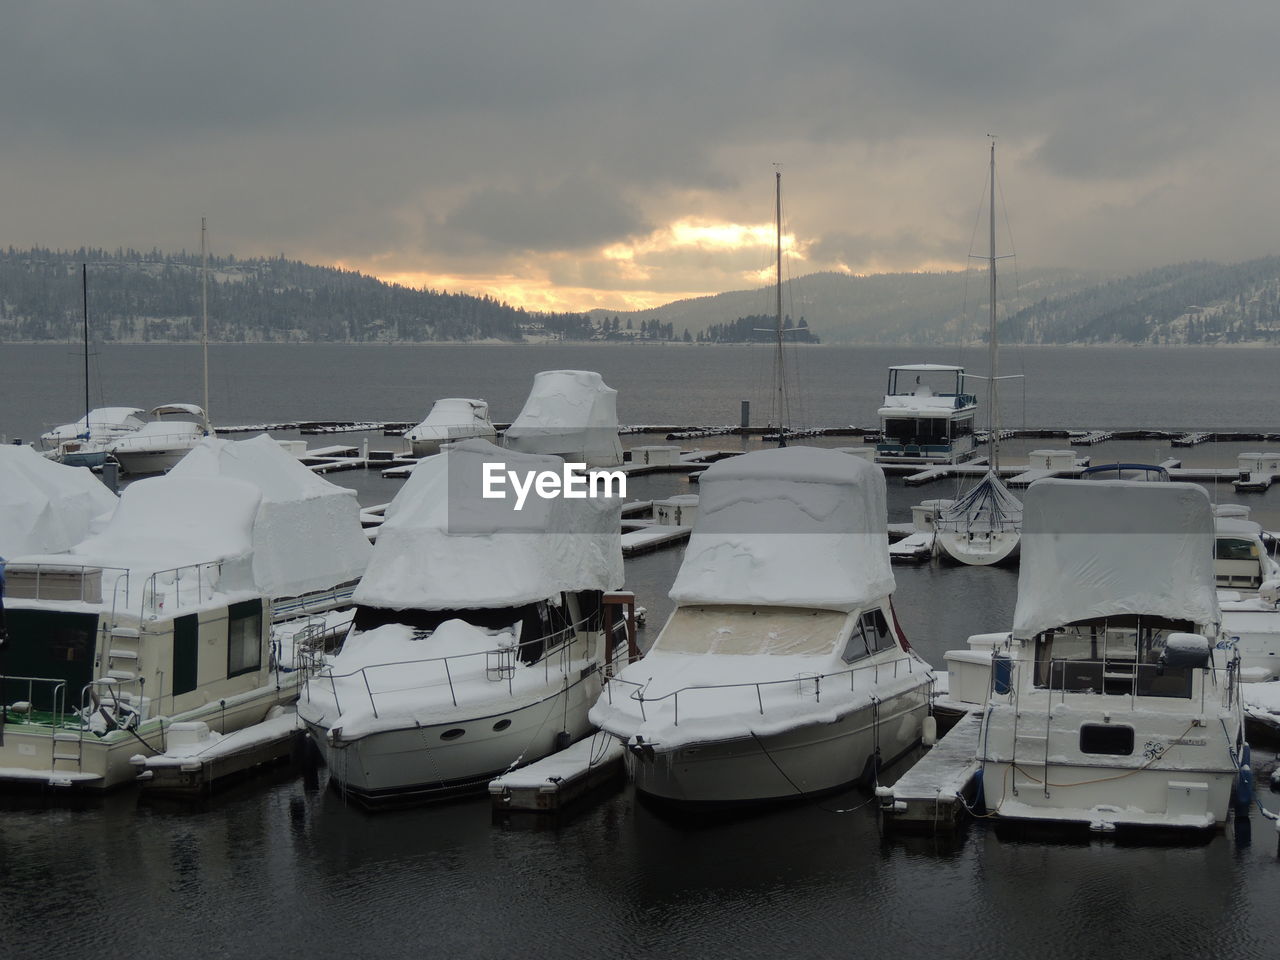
x=934, y=793
x=550, y=784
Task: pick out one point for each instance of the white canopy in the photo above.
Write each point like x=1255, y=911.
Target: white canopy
x=1098, y=548
x=570, y=414
x=168, y=522
x=444, y=546
x=46, y=507
x=307, y=534
x=454, y=417
x=798, y=527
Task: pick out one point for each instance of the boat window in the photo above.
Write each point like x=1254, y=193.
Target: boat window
x=1117, y=655
x=1111, y=739
x=52, y=644
x=743, y=630
x=899, y=428
x=962, y=427
x=1229, y=548
x=870, y=634
x=244, y=637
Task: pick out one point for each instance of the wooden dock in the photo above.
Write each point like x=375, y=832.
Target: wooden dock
x=550, y=784
x=651, y=536
x=935, y=794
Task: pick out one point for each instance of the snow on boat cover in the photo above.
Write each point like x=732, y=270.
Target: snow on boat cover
x=307, y=534
x=46, y=507
x=445, y=547
x=797, y=527
x=1103, y=548
x=571, y=414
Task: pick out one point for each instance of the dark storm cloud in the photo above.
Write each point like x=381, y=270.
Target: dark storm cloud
x=400, y=132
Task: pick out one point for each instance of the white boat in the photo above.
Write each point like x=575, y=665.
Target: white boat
x=156, y=619
x=983, y=526
x=165, y=616
x=927, y=416
x=477, y=644
x=782, y=672
x=453, y=418
x=1248, y=579
x=84, y=443
x=571, y=414
x=1113, y=704
x=161, y=443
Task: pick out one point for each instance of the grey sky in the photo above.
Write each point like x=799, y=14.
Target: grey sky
x=504, y=146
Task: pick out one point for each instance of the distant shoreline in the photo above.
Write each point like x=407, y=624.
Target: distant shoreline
x=1238, y=345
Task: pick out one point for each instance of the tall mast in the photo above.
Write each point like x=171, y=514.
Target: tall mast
x=204, y=315
x=84, y=293
x=779, y=370
x=993, y=398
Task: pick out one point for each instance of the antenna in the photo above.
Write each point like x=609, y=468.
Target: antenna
x=204, y=314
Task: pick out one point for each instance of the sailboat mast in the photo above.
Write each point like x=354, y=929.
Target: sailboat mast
x=779, y=371
x=204, y=315
x=84, y=295
x=993, y=397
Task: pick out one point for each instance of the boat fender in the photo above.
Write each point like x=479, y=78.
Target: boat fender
x=1244, y=784
x=979, y=791
x=562, y=740
x=1002, y=673
x=929, y=732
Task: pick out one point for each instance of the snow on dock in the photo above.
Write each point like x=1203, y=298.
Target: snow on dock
x=550, y=784
x=1191, y=439
x=1088, y=437
x=652, y=536
x=916, y=546
x=934, y=794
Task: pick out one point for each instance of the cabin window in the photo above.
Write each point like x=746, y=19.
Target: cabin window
x=870, y=634
x=962, y=427
x=52, y=644
x=186, y=653
x=898, y=428
x=1226, y=548
x=244, y=637
x=1114, y=740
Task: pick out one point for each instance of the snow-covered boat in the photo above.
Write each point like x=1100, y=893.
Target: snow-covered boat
x=160, y=443
x=782, y=671
x=570, y=414
x=1248, y=591
x=477, y=644
x=450, y=419
x=84, y=443
x=1113, y=703
x=46, y=507
x=166, y=614
x=927, y=416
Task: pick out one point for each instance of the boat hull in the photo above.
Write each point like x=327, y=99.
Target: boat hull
x=418, y=763
x=811, y=759
x=149, y=461
x=37, y=756
x=979, y=550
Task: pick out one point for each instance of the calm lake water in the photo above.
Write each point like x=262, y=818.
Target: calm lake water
x=281, y=867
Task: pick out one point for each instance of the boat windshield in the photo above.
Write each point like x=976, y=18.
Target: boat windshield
x=749, y=630
x=1115, y=655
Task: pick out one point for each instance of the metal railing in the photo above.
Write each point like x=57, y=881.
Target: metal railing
x=891, y=670
x=208, y=571
x=1136, y=677
x=56, y=574
x=558, y=647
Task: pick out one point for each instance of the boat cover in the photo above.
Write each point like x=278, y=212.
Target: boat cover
x=1098, y=548
x=307, y=534
x=570, y=414
x=797, y=526
x=46, y=507
x=444, y=546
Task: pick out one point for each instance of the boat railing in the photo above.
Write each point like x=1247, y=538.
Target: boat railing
x=153, y=442
x=24, y=711
x=1119, y=676
x=499, y=664
x=50, y=581
x=803, y=683
x=157, y=598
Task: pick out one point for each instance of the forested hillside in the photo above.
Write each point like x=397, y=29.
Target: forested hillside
x=156, y=296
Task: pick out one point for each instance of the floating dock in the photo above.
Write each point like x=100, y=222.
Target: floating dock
x=550, y=784
x=1089, y=437
x=197, y=761
x=936, y=793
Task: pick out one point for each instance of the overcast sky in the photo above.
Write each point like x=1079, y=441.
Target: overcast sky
x=569, y=154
